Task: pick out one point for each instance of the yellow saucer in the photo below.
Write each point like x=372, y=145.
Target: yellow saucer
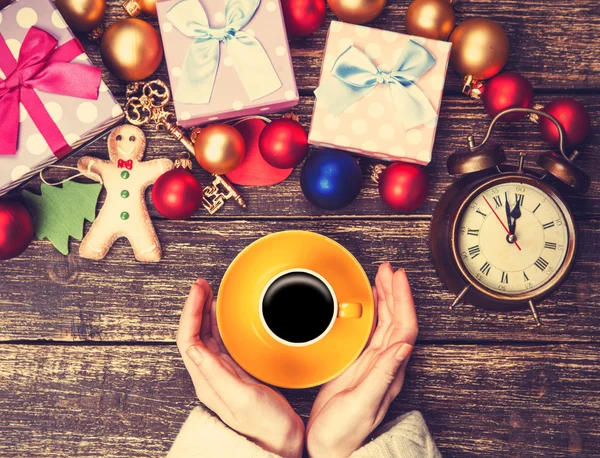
x=238, y=316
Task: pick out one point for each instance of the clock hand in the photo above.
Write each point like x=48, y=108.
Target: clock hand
x=507, y=209
x=501, y=222
x=515, y=214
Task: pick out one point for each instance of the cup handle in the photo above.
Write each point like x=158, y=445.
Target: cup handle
x=349, y=310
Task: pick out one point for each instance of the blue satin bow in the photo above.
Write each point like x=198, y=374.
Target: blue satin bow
x=356, y=76
x=247, y=55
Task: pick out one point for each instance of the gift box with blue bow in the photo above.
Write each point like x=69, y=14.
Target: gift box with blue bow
x=380, y=93
x=226, y=58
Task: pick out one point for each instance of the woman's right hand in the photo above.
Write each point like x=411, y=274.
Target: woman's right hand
x=244, y=404
x=350, y=407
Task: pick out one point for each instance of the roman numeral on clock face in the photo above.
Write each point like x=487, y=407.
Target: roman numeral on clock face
x=520, y=198
x=498, y=201
x=525, y=277
x=485, y=269
x=474, y=251
x=548, y=225
x=474, y=232
x=541, y=263
x=480, y=212
x=504, y=277
x=550, y=245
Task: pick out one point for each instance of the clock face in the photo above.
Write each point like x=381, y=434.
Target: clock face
x=512, y=238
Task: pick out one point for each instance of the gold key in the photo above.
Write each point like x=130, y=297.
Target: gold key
x=145, y=104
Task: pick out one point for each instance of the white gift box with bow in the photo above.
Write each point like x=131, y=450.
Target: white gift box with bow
x=226, y=58
x=380, y=93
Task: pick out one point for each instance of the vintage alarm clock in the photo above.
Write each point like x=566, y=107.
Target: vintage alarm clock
x=504, y=238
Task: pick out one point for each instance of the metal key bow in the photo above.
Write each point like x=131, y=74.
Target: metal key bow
x=146, y=104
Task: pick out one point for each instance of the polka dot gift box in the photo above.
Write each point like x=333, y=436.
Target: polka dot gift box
x=380, y=93
x=226, y=58
x=52, y=98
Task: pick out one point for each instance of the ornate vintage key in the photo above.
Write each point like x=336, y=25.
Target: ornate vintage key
x=146, y=103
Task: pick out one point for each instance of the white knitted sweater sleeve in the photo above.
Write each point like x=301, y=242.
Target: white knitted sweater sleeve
x=203, y=435
x=405, y=437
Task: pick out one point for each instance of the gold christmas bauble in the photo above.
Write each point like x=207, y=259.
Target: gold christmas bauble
x=479, y=48
x=219, y=148
x=131, y=49
x=147, y=6
x=82, y=15
x=356, y=11
x=430, y=19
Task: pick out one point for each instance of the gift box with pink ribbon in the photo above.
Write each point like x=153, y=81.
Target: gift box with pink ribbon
x=380, y=93
x=226, y=58
x=52, y=99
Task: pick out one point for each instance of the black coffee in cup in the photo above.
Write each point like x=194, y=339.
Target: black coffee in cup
x=298, y=307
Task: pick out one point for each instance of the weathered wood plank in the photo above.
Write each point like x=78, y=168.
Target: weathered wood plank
x=44, y=295
x=459, y=117
x=550, y=46
x=129, y=401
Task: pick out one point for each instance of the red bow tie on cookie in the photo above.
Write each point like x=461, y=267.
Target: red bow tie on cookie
x=125, y=164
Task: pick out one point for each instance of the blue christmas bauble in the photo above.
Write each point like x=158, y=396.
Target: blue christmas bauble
x=330, y=179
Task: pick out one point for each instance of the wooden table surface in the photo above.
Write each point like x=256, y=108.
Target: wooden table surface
x=88, y=363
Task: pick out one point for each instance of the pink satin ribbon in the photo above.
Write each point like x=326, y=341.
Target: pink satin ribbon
x=45, y=67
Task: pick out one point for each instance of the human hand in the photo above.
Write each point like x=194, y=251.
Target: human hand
x=350, y=407
x=249, y=407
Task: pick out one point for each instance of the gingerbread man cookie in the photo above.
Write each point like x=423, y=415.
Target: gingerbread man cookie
x=124, y=213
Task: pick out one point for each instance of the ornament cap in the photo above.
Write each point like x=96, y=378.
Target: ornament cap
x=565, y=171
x=472, y=86
x=183, y=162
x=132, y=8
x=534, y=117
x=292, y=116
x=466, y=161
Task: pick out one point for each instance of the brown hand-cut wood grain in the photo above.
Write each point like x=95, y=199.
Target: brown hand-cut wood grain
x=46, y=295
x=487, y=384
x=129, y=401
x=459, y=117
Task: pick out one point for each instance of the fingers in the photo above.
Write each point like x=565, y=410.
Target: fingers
x=375, y=302
x=214, y=327
x=403, y=309
x=383, y=283
x=215, y=374
x=206, y=311
x=372, y=390
x=191, y=316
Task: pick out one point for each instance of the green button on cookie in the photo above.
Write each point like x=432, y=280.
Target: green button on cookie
x=124, y=174
x=124, y=215
x=124, y=194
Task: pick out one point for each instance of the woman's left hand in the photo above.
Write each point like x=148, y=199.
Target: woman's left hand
x=350, y=407
x=247, y=406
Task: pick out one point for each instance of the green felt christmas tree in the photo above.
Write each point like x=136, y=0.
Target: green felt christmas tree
x=60, y=211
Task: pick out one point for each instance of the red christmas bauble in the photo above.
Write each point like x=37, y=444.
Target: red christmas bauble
x=403, y=187
x=16, y=229
x=507, y=90
x=303, y=17
x=254, y=170
x=572, y=116
x=283, y=143
x=177, y=194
